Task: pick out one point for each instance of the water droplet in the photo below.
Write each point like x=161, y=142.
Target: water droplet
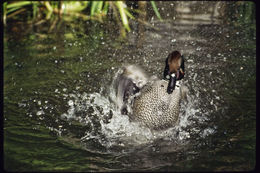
x=121, y=144
x=70, y=103
x=22, y=104
x=173, y=40
x=39, y=102
x=56, y=61
x=41, y=118
x=40, y=112
x=198, y=48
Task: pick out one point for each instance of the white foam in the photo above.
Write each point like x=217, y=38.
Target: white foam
x=119, y=129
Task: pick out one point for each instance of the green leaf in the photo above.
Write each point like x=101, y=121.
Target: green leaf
x=105, y=9
x=156, y=10
x=12, y=9
x=35, y=9
x=75, y=6
x=18, y=4
x=99, y=6
x=120, y=6
x=93, y=8
x=129, y=14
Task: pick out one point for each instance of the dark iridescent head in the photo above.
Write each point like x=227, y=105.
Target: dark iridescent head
x=174, y=69
x=174, y=63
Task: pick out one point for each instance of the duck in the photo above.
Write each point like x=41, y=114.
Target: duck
x=153, y=102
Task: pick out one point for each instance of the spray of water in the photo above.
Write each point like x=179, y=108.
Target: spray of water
x=116, y=129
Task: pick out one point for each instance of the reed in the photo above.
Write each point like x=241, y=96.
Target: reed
x=87, y=10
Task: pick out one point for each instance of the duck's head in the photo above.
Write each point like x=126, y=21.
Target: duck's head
x=174, y=69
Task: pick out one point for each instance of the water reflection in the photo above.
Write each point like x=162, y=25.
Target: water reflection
x=58, y=93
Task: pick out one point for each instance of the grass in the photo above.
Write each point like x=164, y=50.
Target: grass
x=86, y=10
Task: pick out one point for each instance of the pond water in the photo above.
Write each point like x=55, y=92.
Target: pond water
x=59, y=110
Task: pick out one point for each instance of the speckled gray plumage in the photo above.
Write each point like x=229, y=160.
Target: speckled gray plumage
x=155, y=108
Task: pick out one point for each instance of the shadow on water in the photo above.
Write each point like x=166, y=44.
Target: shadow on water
x=59, y=111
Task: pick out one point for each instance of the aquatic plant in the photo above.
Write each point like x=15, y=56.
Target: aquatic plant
x=86, y=10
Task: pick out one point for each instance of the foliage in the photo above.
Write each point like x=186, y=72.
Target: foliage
x=87, y=10
x=156, y=10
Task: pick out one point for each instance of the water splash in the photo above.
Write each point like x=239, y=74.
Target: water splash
x=110, y=128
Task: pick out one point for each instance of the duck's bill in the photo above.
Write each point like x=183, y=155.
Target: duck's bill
x=171, y=84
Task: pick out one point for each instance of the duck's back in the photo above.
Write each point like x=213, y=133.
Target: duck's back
x=155, y=108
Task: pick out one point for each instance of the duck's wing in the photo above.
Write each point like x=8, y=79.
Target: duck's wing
x=128, y=84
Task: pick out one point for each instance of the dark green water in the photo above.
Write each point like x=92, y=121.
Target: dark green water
x=59, y=113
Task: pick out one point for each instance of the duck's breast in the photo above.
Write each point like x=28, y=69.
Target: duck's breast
x=155, y=108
